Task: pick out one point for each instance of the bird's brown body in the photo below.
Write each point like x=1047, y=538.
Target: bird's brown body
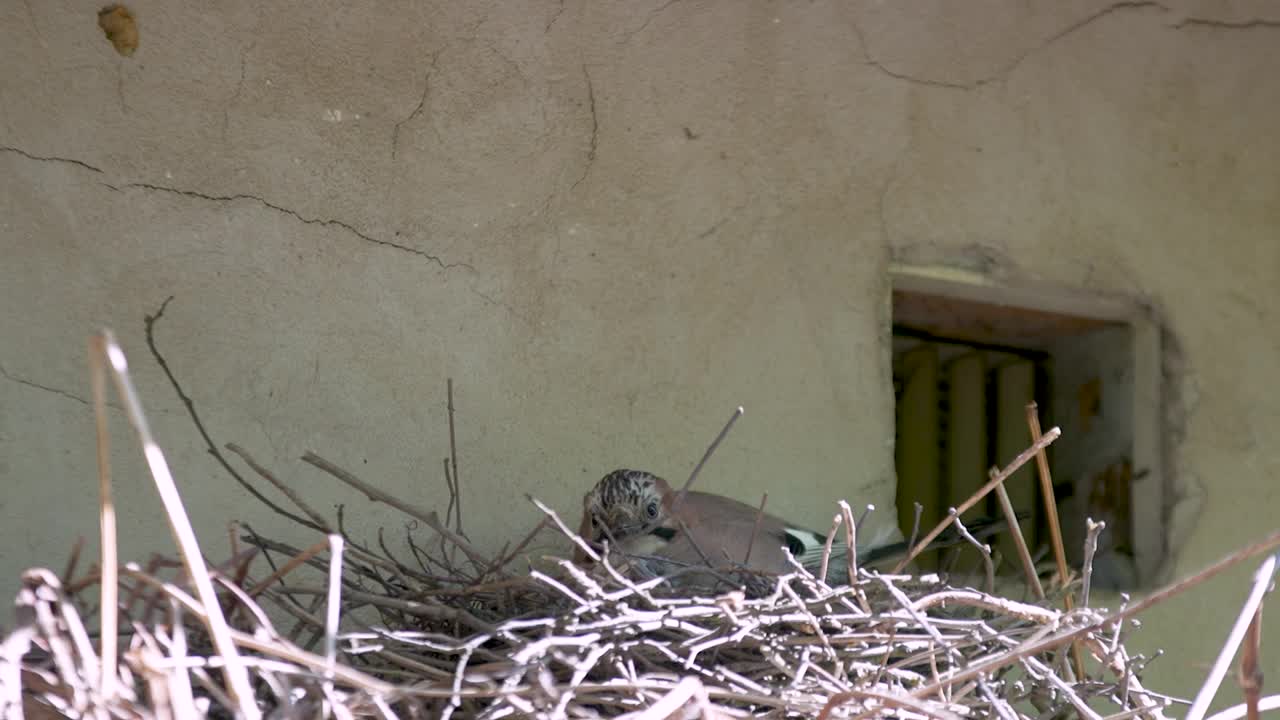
x=661, y=530
x=643, y=517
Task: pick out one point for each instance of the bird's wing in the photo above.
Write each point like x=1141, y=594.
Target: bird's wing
x=722, y=526
x=807, y=546
x=722, y=523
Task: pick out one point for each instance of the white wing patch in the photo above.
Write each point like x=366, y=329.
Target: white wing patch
x=812, y=543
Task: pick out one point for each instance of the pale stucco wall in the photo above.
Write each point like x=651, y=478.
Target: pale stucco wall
x=611, y=223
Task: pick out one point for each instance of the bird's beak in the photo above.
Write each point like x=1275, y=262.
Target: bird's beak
x=624, y=525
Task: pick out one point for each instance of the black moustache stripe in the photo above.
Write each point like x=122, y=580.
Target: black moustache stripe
x=664, y=533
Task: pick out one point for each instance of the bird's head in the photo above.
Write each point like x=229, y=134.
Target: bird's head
x=623, y=505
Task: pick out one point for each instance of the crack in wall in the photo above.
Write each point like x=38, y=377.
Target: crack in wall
x=322, y=222
x=124, y=106
x=235, y=96
x=505, y=306
x=593, y=144
x=729, y=216
x=886, y=234
x=35, y=26
x=653, y=15
x=509, y=62
x=50, y=158
x=1062, y=34
x=422, y=102
x=714, y=227
x=556, y=16
x=1013, y=64
x=67, y=394
x=1226, y=24
x=1073, y=28
x=56, y=391
x=870, y=60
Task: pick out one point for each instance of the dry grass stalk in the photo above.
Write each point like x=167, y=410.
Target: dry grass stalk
x=1250, y=673
x=1092, y=531
x=1046, y=491
x=106, y=519
x=755, y=529
x=1249, y=614
x=294, y=496
x=826, y=547
x=711, y=449
x=1019, y=542
x=455, y=489
x=984, y=551
x=1055, y=528
x=180, y=524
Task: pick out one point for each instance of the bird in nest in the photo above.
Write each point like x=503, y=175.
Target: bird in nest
x=659, y=532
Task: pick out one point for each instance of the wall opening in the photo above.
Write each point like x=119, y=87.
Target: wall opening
x=969, y=355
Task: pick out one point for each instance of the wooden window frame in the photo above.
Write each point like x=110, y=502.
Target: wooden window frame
x=1149, y=487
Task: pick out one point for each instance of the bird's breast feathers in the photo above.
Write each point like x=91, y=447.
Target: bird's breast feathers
x=650, y=543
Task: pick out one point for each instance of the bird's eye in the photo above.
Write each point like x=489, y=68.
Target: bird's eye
x=652, y=508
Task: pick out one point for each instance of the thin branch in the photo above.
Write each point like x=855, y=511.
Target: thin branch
x=1250, y=673
x=1055, y=528
x=453, y=495
x=1092, y=531
x=755, y=529
x=705, y=457
x=983, y=550
x=376, y=495
x=850, y=542
x=564, y=529
x=866, y=512
x=826, y=547
x=294, y=562
x=884, y=699
x=1046, y=490
x=1262, y=580
x=1019, y=542
x=280, y=485
x=506, y=557
x=915, y=525
x=68, y=574
x=210, y=446
x=453, y=462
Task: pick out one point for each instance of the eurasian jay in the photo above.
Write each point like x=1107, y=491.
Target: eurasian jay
x=637, y=513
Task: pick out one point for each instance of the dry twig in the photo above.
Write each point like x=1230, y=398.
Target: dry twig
x=737, y=413
x=755, y=529
x=1262, y=580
